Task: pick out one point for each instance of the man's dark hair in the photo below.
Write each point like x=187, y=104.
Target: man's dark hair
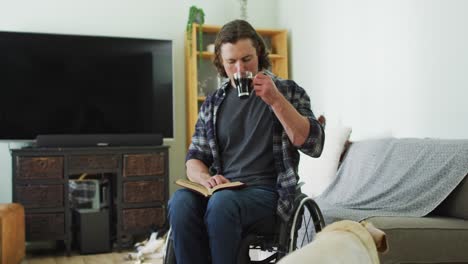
x=231, y=33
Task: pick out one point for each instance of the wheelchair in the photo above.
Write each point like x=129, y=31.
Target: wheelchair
x=274, y=241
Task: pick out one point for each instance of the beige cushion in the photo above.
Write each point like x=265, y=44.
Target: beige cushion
x=424, y=239
x=318, y=173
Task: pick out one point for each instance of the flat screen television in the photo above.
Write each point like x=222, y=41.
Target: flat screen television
x=73, y=85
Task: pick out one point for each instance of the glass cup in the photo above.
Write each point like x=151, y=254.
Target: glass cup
x=243, y=82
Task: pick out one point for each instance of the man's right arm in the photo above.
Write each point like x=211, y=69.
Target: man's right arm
x=199, y=154
x=198, y=172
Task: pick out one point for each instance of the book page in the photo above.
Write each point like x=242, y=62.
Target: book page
x=208, y=191
x=193, y=186
x=226, y=185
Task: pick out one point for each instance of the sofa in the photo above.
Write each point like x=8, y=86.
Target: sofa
x=12, y=233
x=440, y=237
x=415, y=190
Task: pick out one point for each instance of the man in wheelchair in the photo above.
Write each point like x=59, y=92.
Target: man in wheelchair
x=254, y=140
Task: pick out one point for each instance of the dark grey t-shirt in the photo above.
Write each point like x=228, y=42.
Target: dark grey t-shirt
x=245, y=137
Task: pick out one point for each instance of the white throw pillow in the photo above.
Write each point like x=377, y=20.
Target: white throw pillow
x=318, y=173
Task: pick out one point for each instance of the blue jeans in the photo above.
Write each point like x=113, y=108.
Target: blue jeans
x=213, y=227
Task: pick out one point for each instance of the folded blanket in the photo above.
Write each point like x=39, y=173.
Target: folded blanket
x=394, y=177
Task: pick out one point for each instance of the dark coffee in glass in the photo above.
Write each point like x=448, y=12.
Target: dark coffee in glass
x=243, y=81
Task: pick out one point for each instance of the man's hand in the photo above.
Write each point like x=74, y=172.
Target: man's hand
x=266, y=89
x=214, y=180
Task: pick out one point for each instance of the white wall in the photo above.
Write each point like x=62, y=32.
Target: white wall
x=159, y=19
x=383, y=67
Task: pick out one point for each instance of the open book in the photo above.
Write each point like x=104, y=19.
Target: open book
x=208, y=191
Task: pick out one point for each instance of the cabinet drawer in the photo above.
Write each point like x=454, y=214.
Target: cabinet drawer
x=45, y=226
x=144, y=164
x=143, y=191
x=143, y=218
x=38, y=196
x=39, y=168
x=93, y=162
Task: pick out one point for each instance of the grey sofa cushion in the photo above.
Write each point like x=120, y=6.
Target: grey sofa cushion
x=456, y=204
x=424, y=239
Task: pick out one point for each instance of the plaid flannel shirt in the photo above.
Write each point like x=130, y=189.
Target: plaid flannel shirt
x=204, y=146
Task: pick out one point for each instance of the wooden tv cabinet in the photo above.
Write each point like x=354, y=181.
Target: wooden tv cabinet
x=138, y=178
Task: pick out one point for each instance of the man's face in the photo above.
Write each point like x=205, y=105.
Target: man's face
x=241, y=56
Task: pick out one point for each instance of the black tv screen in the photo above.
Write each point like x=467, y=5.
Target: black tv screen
x=71, y=84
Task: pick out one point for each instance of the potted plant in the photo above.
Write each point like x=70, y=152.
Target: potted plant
x=196, y=15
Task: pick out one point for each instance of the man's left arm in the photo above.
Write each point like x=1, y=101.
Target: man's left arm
x=296, y=126
x=298, y=121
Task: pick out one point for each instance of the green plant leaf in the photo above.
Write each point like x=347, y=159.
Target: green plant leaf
x=196, y=15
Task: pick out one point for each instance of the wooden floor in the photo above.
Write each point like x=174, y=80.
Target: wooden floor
x=107, y=258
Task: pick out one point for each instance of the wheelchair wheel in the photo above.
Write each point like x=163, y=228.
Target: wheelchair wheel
x=169, y=256
x=306, y=222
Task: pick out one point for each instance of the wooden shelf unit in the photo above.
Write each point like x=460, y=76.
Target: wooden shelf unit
x=202, y=70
